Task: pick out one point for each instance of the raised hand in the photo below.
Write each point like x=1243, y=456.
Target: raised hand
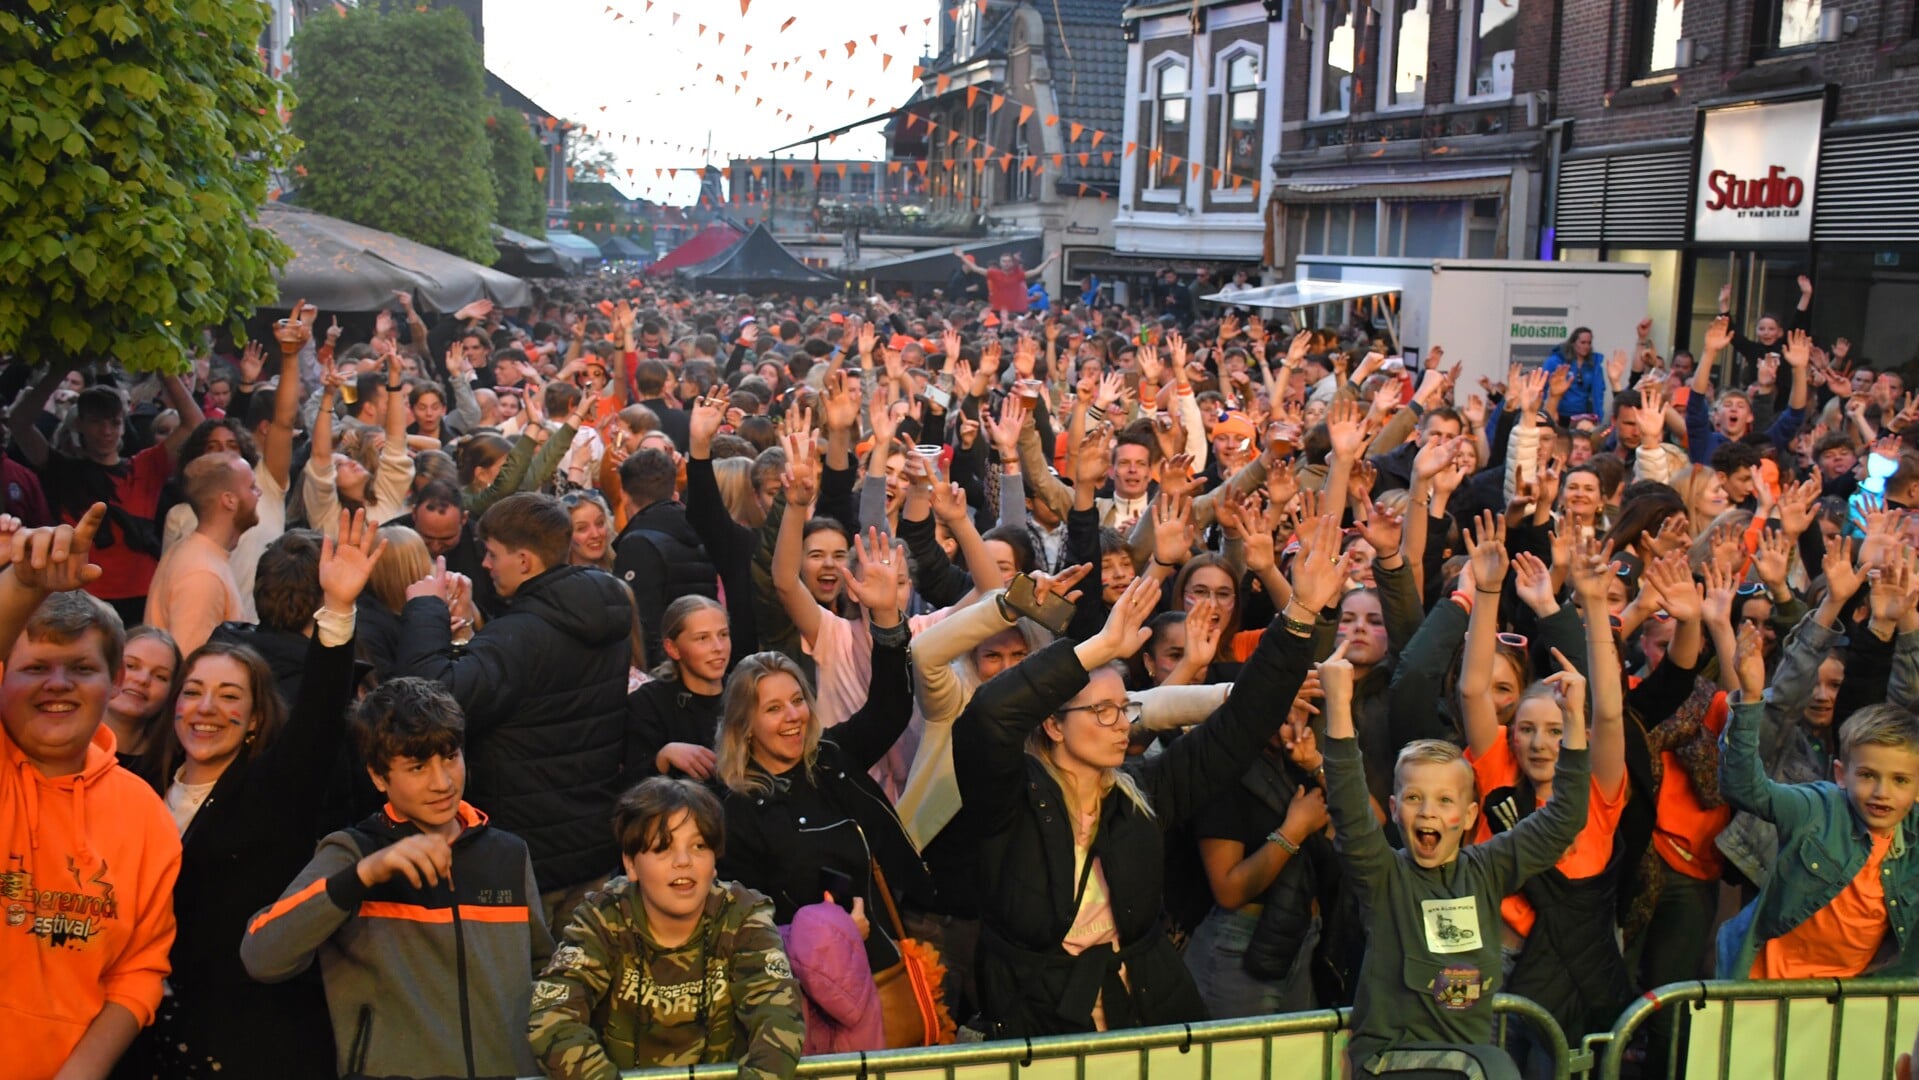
x=1203, y=630
x=1570, y=686
x=1319, y=572
x=54, y=559
x=1003, y=434
x=1592, y=572
x=1063, y=584
x=705, y=418
x=1533, y=582
x=346, y=563
x=1749, y=663
x=1173, y=531
x=1718, y=335
x=1381, y=527
x=252, y=363
x=802, y=474
x=1891, y=587
x=1125, y=631
x=1345, y=428
x=949, y=502
x=1486, y=551
x=1671, y=583
x=880, y=587
x=1715, y=606
x=841, y=409
x=1843, y=577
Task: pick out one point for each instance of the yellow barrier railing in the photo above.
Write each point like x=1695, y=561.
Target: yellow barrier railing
x=1735, y=1029
x=1293, y=1046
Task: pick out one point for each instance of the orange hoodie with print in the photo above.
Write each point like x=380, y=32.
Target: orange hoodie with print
x=86, y=902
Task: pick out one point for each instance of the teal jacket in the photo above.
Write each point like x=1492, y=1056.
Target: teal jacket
x=1822, y=846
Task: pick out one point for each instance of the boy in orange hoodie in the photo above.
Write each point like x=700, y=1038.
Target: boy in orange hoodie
x=86, y=886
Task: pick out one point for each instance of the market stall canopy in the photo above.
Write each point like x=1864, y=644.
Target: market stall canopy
x=760, y=263
x=526, y=256
x=579, y=252
x=343, y=267
x=1301, y=294
x=937, y=266
x=698, y=248
x=620, y=248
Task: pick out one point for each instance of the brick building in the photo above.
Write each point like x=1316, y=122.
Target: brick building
x=1412, y=128
x=1746, y=143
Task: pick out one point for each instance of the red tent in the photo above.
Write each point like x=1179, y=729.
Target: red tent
x=698, y=248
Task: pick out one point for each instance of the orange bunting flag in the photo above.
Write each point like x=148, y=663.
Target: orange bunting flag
x=1051, y=121
x=747, y=51
x=1097, y=136
x=659, y=174
x=1238, y=180
x=1196, y=168
x=922, y=165
x=720, y=36
x=982, y=7
x=886, y=61
x=822, y=54
x=1006, y=163
x=702, y=32
x=998, y=100
x=1083, y=159
x=1076, y=128
x=918, y=71
x=1059, y=161
x=788, y=170
x=892, y=168
x=866, y=166
x=850, y=46
x=951, y=134
x=940, y=84
x=744, y=4
x=1031, y=164
x=727, y=172
x=569, y=172
x=817, y=170
x=809, y=76
x=539, y=173
x=970, y=144
x=676, y=18
x=870, y=102
x=756, y=168
x=788, y=23
x=972, y=95
x=841, y=168
x=1130, y=147
x=1025, y=114
x=629, y=174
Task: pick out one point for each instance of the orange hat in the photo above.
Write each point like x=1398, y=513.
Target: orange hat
x=1234, y=424
x=836, y=319
x=989, y=319
x=606, y=308
x=898, y=342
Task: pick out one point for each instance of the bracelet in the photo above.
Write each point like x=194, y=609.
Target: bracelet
x=1285, y=845
x=394, y=388
x=1489, y=592
x=1301, y=628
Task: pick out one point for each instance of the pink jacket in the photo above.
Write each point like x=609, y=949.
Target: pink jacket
x=842, y=1005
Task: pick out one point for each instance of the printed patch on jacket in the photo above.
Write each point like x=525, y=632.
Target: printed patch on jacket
x=566, y=958
x=546, y=995
x=1457, y=988
x=777, y=966
x=1452, y=925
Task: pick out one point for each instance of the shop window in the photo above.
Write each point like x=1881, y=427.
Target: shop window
x=1482, y=229
x=1489, y=40
x=1785, y=24
x=1406, y=39
x=1657, y=26
x=1239, y=108
x=1339, y=229
x=1335, y=47
x=1168, y=85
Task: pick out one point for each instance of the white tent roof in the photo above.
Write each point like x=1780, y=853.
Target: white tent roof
x=1299, y=294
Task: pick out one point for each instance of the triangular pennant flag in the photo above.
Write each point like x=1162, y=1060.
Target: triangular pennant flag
x=569, y=172
x=892, y=168
x=744, y=4
x=1006, y=163
x=788, y=23
x=972, y=95
x=676, y=18
x=850, y=46
x=809, y=77
x=886, y=61
x=1238, y=180
x=998, y=100
x=1052, y=120
x=1031, y=164
x=970, y=144
x=539, y=173
x=822, y=54
x=940, y=84
x=918, y=72
x=817, y=170
x=922, y=164
x=1196, y=169
x=1025, y=114
x=672, y=174
x=719, y=37
x=870, y=101
x=788, y=170
x=1076, y=128
x=702, y=32
x=841, y=167
x=756, y=170
x=1083, y=159
x=866, y=166
x=1097, y=136
x=1130, y=147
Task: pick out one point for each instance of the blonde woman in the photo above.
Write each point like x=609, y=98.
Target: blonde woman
x=404, y=561
x=801, y=811
x=735, y=477
x=1062, y=814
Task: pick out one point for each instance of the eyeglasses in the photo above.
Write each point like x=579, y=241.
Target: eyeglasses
x=1107, y=714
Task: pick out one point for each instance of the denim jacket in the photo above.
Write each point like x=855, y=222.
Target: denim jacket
x=1823, y=846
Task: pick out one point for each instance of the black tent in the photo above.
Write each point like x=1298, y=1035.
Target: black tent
x=619, y=248
x=760, y=264
x=526, y=256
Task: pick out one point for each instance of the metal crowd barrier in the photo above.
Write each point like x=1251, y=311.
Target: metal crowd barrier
x=1293, y=1046
x=1785, y=1030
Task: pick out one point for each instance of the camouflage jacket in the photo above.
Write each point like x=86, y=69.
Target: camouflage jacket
x=612, y=999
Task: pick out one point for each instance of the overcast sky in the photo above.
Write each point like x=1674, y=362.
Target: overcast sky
x=574, y=58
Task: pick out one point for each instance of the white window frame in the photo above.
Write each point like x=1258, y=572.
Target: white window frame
x=1321, y=42
x=1389, y=56
x=1154, y=191
x=1222, y=78
x=1469, y=39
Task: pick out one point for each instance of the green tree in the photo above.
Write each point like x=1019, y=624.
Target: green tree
x=135, y=143
x=517, y=189
x=392, y=116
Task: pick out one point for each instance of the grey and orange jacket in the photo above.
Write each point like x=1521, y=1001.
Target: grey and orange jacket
x=420, y=981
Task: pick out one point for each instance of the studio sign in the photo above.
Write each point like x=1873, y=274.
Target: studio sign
x=1776, y=194
x=1759, y=173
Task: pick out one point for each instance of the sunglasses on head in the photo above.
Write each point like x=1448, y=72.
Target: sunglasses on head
x=1752, y=588
x=1515, y=641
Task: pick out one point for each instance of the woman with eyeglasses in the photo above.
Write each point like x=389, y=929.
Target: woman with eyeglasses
x=1071, y=831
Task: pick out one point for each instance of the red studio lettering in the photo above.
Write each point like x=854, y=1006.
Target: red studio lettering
x=1776, y=190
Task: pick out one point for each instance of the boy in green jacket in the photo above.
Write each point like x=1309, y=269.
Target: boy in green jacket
x=1843, y=898
x=1425, y=989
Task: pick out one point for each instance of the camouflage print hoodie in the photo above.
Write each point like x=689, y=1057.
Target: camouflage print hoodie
x=611, y=998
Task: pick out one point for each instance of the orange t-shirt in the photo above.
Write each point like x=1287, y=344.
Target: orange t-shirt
x=1840, y=939
x=1592, y=848
x=1684, y=832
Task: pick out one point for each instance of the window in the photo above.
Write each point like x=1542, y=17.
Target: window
x=861, y=183
x=1657, y=25
x=1239, y=153
x=1169, y=104
x=1408, y=33
x=1339, y=229
x=1335, y=46
x=1785, y=24
x=1021, y=178
x=1488, y=44
x=829, y=184
x=965, y=26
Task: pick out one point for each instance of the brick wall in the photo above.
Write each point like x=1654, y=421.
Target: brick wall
x=1876, y=67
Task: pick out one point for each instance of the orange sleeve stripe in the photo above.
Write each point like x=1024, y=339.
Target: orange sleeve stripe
x=386, y=909
x=286, y=904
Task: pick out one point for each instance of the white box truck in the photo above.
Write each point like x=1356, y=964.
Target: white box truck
x=1486, y=313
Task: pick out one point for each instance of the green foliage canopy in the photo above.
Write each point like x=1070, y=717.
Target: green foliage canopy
x=516, y=186
x=136, y=139
x=392, y=119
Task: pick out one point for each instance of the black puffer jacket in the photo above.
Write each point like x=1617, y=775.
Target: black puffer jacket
x=544, y=690
x=1029, y=985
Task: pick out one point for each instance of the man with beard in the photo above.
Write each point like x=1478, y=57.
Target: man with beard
x=194, y=589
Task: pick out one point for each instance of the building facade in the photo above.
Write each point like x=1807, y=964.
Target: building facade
x=1203, y=109
x=1413, y=129
x=1745, y=143
x=1008, y=121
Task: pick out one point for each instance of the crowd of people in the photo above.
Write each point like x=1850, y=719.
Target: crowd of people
x=646, y=678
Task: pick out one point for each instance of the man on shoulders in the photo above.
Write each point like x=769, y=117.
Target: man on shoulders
x=194, y=589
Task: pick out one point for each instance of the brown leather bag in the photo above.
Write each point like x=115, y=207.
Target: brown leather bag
x=910, y=992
